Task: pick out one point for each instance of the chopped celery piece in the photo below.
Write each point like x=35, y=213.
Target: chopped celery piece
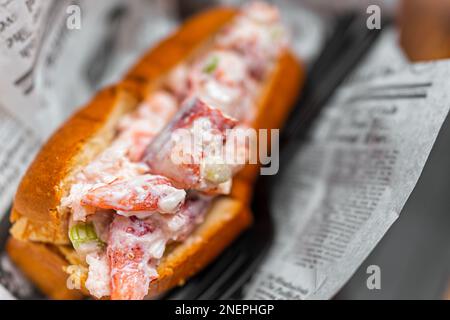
x=211, y=65
x=83, y=233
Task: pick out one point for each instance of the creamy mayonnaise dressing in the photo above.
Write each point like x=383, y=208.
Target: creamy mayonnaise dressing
x=98, y=281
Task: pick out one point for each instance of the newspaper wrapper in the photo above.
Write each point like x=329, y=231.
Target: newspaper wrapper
x=371, y=148
x=346, y=186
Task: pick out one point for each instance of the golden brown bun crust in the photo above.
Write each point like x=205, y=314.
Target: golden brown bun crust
x=227, y=217
x=43, y=266
x=73, y=144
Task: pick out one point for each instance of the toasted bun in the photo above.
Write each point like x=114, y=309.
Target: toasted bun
x=35, y=213
x=44, y=266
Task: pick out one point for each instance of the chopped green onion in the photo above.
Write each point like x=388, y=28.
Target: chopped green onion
x=83, y=233
x=211, y=65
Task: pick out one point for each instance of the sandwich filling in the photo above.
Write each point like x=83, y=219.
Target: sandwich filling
x=147, y=190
